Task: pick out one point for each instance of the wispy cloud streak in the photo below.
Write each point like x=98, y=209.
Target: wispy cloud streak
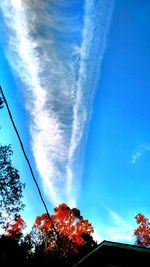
x=141, y=149
x=57, y=54
x=121, y=229
x=90, y=53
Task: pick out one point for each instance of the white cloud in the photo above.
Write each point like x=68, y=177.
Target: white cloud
x=116, y=228
x=59, y=83
x=121, y=229
x=141, y=149
x=97, y=235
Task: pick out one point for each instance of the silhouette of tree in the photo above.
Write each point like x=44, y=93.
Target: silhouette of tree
x=1, y=102
x=11, y=189
x=15, y=250
x=142, y=233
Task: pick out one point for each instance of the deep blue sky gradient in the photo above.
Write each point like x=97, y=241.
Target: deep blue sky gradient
x=120, y=121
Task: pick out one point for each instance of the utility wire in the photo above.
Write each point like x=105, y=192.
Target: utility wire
x=28, y=162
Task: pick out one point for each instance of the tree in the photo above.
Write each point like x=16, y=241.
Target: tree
x=1, y=102
x=142, y=233
x=14, y=247
x=15, y=228
x=11, y=189
x=73, y=233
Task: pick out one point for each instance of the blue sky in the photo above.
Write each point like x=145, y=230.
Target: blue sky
x=76, y=76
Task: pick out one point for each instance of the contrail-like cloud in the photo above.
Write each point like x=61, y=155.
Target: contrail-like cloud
x=56, y=49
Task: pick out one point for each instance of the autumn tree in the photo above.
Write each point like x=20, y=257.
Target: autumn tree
x=142, y=233
x=15, y=227
x=14, y=246
x=72, y=233
x=11, y=188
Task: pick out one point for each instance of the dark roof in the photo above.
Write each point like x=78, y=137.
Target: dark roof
x=116, y=254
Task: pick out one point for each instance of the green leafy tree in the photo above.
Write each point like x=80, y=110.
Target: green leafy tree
x=1, y=102
x=11, y=188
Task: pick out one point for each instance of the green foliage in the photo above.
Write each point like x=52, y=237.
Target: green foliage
x=1, y=102
x=11, y=189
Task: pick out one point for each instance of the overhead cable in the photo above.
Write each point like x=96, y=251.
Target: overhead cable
x=29, y=164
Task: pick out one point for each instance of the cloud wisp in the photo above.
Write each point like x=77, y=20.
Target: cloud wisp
x=120, y=230
x=57, y=54
x=141, y=149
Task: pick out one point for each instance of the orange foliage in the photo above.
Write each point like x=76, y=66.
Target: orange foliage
x=15, y=228
x=68, y=223
x=142, y=233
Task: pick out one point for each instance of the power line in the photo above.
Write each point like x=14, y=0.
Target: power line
x=28, y=162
